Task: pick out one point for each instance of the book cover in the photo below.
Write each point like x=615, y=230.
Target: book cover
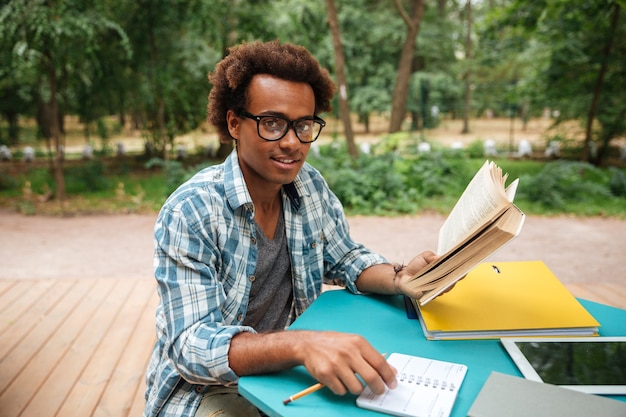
x=522, y=298
x=426, y=387
x=505, y=395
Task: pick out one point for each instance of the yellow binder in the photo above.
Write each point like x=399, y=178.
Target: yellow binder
x=522, y=298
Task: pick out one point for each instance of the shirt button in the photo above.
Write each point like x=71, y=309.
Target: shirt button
x=252, y=278
x=199, y=389
x=240, y=317
x=313, y=245
x=254, y=240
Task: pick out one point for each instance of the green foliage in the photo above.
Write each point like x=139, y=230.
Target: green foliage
x=617, y=182
x=371, y=184
x=86, y=177
x=563, y=182
x=550, y=55
x=174, y=171
x=386, y=183
x=380, y=183
x=7, y=182
x=476, y=149
x=437, y=173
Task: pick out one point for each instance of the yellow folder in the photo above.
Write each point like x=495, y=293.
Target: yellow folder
x=498, y=299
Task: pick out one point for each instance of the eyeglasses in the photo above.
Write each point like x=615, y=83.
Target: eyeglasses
x=273, y=128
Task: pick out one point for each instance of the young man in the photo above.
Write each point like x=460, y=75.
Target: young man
x=243, y=248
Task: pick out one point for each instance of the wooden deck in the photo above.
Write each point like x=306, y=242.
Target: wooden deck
x=80, y=347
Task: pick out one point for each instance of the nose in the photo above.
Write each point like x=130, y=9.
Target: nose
x=290, y=140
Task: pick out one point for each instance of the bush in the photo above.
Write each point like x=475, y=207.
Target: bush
x=617, y=182
x=7, y=182
x=387, y=183
x=86, y=177
x=175, y=172
x=437, y=173
x=561, y=182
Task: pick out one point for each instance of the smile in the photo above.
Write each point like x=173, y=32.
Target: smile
x=286, y=161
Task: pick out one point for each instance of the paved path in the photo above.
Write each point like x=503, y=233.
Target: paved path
x=120, y=246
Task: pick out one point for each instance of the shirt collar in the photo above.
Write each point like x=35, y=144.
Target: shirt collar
x=236, y=190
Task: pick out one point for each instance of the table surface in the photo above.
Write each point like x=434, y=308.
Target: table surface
x=383, y=321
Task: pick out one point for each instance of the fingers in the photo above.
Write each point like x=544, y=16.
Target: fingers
x=382, y=374
x=346, y=363
x=420, y=261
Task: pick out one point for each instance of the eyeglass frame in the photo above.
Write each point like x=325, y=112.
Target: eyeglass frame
x=291, y=124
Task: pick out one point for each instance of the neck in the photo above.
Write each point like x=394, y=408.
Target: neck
x=266, y=213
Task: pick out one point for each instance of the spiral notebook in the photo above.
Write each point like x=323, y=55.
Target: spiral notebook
x=426, y=387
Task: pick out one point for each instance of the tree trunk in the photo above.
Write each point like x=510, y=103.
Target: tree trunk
x=158, y=129
x=55, y=131
x=405, y=67
x=593, y=108
x=468, y=71
x=12, y=118
x=344, y=104
x=441, y=8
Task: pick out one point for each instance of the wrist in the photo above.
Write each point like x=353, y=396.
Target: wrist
x=397, y=268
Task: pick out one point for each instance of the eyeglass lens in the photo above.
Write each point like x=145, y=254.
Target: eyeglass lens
x=271, y=127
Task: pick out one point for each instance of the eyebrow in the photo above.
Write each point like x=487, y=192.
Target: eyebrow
x=284, y=116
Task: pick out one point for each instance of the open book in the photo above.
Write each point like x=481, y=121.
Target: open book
x=482, y=221
x=426, y=387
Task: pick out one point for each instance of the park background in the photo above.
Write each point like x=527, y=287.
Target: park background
x=104, y=103
x=102, y=115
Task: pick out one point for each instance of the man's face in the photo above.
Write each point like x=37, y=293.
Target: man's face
x=269, y=165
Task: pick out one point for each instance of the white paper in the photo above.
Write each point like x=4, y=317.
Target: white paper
x=426, y=387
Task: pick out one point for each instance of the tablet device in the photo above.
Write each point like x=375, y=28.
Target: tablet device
x=595, y=365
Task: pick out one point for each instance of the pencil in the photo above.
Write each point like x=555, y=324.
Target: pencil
x=304, y=392
x=308, y=391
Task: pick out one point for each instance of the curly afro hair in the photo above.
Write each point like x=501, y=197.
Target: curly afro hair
x=233, y=74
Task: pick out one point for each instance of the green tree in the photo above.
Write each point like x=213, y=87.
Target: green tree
x=52, y=42
x=586, y=71
x=567, y=58
x=176, y=44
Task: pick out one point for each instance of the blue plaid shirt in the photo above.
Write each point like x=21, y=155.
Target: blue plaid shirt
x=205, y=254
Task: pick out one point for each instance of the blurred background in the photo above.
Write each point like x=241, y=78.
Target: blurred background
x=103, y=104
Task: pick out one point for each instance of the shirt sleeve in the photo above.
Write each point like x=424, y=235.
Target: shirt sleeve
x=186, y=260
x=344, y=259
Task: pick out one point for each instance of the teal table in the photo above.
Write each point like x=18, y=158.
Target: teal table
x=383, y=321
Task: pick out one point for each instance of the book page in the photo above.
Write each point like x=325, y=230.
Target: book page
x=483, y=198
x=426, y=387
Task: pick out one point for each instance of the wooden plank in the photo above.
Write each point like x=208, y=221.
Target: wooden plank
x=139, y=400
x=53, y=393
x=89, y=388
x=581, y=291
x=54, y=339
x=5, y=285
x=42, y=297
x=612, y=294
x=608, y=293
x=81, y=347
x=12, y=294
x=128, y=376
x=17, y=359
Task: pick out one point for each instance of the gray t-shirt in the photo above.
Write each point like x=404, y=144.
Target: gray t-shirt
x=271, y=294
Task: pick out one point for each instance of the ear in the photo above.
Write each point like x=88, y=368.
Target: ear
x=233, y=124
